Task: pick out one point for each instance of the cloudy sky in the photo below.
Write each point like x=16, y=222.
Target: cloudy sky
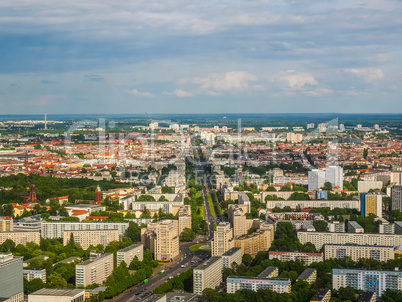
x=186, y=56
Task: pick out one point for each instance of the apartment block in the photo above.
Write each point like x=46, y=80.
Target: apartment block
x=309, y=275
x=232, y=255
x=207, y=275
x=398, y=227
x=305, y=257
x=88, y=238
x=386, y=228
x=20, y=237
x=239, y=223
x=57, y=294
x=31, y=273
x=321, y=238
x=367, y=280
x=11, y=278
x=56, y=229
x=336, y=227
x=223, y=239
x=94, y=270
x=371, y=204
x=355, y=252
x=396, y=198
x=269, y=272
x=363, y=186
x=322, y=295
x=253, y=243
x=129, y=253
x=6, y=224
x=184, y=217
x=278, y=285
x=162, y=238
x=354, y=227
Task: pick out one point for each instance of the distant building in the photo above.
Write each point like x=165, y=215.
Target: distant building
x=336, y=227
x=57, y=294
x=306, y=257
x=31, y=273
x=363, y=186
x=367, y=280
x=129, y=253
x=6, y=224
x=354, y=227
x=396, y=198
x=322, y=295
x=11, y=278
x=184, y=218
x=317, y=177
x=31, y=198
x=88, y=238
x=230, y=256
x=371, y=204
x=207, y=275
x=98, y=196
x=253, y=243
x=356, y=252
x=20, y=237
x=269, y=272
x=94, y=270
x=309, y=275
x=223, y=239
x=278, y=285
x=162, y=238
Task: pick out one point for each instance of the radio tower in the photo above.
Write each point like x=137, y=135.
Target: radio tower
x=45, y=122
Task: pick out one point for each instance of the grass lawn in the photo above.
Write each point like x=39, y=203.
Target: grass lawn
x=201, y=208
x=196, y=247
x=211, y=206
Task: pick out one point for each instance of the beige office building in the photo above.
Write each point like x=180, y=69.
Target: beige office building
x=184, y=217
x=94, y=270
x=88, y=238
x=321, y=238
x=207, y=275
x=253, y=243
x=355, y=252
x=6, y=224
x=20, y=237
x=223, y=239
x=129, y=253
x=162, y=238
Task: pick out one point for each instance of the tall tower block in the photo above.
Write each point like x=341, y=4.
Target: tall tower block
x=45, y=122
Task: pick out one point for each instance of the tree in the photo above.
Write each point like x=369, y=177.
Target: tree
x=320, y=225
x=327, y=186
x=57, y=281
x=133, y=232
x=167, y=190
x=8, y=246
x=187, y=235
x=270, y=189
x=246, y=259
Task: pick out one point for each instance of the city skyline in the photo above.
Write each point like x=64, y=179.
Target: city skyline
x=231, y=57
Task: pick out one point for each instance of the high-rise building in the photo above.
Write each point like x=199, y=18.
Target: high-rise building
x=355, y=252
x=396, y=178
x=239, y=223
x=88, y=238
x=207, y=275
x=332, y=174
x=184, y=218
x=162, y=238
x=367, y=280
x=232, y=255
x=94, y=270
x=396, y=198
x=316, y=179
x=223, y=239
x=11, y=278
x=370, y=204
x=129, y=253
x=6, y=224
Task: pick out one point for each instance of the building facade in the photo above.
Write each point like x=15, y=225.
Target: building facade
x=207, y=275
x=11, y=278
x=55, y=229
x=20, y=237
x=88, y=238
x=309, y=275
x=129, y=253
x=57, y=294
x=162, y=238
x=31, y=273
x=321, y=238
x=223, y=239
x=232, y=255
x=94, y=270
x=305, y=257
x=367, y=280
x=184, y=217
x=355, y=252
x=6, y=224
x=278, y=285
x=396, y=198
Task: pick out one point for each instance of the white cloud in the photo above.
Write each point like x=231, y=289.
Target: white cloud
x=318, y=92
x=296, y=81
x=367, y=74
x=180, y=93
x=235, y=81
x=135, y=92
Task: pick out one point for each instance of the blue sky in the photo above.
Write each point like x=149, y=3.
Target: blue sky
x=99, y=56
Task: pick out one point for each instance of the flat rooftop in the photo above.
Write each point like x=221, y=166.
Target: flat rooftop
x=231, y=251
x=306, y=273
x=89, y=261
x=58, y=292
x=320, y=294
x=266, y=272
x=207, y=263
x=130, y=247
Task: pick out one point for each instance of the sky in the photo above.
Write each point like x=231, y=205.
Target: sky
x=186, y=56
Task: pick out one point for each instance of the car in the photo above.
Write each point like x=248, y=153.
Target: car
x=183, y=266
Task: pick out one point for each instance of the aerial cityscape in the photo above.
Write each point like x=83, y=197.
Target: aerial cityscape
x=213, y=151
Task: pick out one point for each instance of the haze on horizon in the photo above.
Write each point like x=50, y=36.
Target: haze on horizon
x=207, y=57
